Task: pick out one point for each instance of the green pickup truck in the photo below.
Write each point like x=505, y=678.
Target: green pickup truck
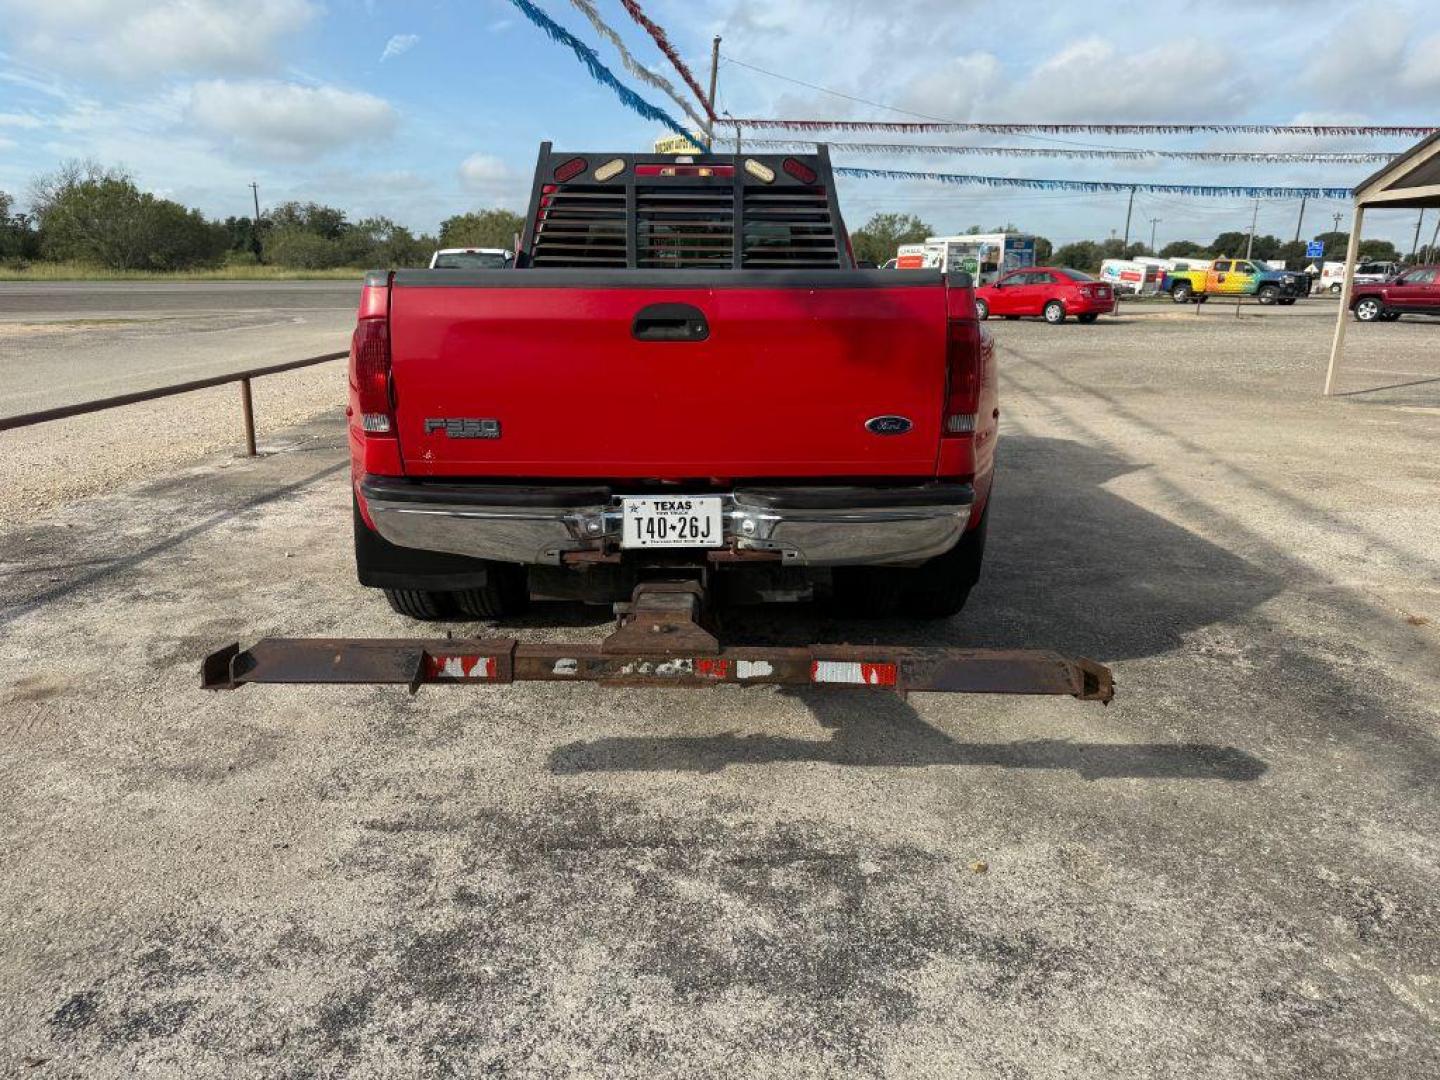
x=1234, y=277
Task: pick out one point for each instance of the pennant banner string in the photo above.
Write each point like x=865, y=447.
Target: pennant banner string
x=657, y=33
x=639, y=70
x=916, y=127
x=1357, y=157
x=1099, y=186
x=600, y=73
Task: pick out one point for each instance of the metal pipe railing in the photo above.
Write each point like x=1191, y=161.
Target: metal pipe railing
x=247, y=407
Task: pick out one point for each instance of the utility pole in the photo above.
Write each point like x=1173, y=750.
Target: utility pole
x=1415, y=244
x=1249, y=247
x=1300, y=221
x=1434, y=240
x=255, y=223
x=714, y=75
x=1128, y=208
x=1153, y=222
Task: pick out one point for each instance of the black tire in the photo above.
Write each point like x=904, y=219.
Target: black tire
x=939, y=589
x=419, y=603
x=1268, y=294
x=982, y=309
x=1090, y=318
x=1054, y=312
x=507, y=592
x=1182, y=292
x=1336, y=289
x=1368, y=309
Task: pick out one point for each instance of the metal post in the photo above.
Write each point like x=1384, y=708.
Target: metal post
x=1301, y=219
x=1249, y=247
x=247, y=410
x=1431, y=248
x=1128, y=208
x=255, y=245
x=714, y=75
x=1153, y=222
x=1415, y=244
x=1352, y=253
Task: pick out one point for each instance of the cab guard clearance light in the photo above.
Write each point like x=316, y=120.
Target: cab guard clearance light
x=570, y=169
x=760, y=171
x=613, y=167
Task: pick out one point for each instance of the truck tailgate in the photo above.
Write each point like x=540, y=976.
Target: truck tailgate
x=781, y=384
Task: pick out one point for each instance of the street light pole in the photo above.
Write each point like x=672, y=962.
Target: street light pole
x=1128, y=209
x=1415, y=244
x=1153, y=222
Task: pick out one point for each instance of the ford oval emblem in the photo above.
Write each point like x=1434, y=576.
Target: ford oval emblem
x=888, y=425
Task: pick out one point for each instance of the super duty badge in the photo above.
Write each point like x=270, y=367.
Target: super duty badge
x=459, y=427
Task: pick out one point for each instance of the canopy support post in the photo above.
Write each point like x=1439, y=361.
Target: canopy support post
x=1351, y=256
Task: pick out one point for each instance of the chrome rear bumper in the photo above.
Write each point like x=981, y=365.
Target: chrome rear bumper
x=806, y=526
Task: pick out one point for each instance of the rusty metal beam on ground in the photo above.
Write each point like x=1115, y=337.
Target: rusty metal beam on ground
x=497, y=661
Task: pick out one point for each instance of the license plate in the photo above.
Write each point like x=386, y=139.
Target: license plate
x=671, y=522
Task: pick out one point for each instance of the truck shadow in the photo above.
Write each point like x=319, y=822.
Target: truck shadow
x=875, y=729
x=1069, y=566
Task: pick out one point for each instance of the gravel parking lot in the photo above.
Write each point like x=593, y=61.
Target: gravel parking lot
x=1233, y=871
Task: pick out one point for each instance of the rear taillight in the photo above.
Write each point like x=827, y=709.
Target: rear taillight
x=962, y=377
x=370, y=368
x=370, y=361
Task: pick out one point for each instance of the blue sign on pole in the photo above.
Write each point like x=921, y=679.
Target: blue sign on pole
x=1315, y=249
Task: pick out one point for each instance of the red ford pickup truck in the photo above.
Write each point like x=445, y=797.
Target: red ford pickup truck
x=682, y=372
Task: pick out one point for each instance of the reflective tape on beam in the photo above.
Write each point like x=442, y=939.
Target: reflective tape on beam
x=460, y=667
x=852, y=673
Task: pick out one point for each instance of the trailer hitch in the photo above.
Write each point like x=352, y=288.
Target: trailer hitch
x=660, y=641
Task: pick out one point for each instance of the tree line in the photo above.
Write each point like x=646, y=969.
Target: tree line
x=91, y=215
x=879, y=238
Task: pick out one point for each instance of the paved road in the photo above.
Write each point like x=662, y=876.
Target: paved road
x=63, y=342
x=1231, y=872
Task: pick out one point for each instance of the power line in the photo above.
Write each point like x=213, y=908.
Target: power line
x=867, y=101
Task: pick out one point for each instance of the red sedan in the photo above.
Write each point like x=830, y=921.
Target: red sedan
x=1052, y=292
x=1415, y=292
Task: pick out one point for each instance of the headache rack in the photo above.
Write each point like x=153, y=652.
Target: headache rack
x=701, y=211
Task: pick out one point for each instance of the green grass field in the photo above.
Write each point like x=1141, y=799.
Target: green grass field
x=46, y=271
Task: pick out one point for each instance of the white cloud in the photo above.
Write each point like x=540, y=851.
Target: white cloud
x=400, y=43
x=490, y=178
x=19, y=120
x=286, y=120
x=1422, y=68
x=480, y=169
x=1091, y=78
x=154, y=39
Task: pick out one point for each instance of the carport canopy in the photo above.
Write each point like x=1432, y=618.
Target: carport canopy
x=1410, y=182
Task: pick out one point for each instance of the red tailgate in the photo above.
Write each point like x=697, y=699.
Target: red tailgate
x=783, y=384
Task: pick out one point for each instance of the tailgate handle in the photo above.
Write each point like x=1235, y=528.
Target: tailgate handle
x=669, y=322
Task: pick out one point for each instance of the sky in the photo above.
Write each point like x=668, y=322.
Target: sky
x=419, y=109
